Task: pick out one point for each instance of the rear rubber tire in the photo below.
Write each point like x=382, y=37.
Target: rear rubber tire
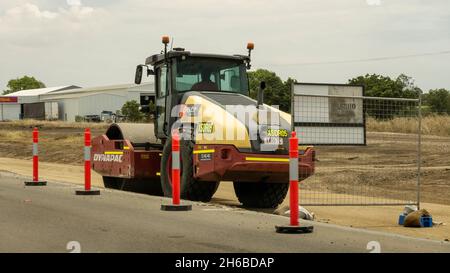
x=260, y=195
x=190, y=188
x=112, y=182
x=144, y=185
x=139, y=185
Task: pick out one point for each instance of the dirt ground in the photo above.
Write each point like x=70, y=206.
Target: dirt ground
x=373, y=218
x=383, y=170
x=56, y=143
x=386, y=167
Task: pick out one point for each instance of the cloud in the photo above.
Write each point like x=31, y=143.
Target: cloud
x=28, y=10
x=98, y=42
x=74, y=2
x=32, y=11
x=29, y=25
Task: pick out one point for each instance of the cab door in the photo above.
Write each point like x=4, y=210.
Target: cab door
x=161, y=97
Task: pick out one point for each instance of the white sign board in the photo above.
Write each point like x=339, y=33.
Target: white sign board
x=328, y=114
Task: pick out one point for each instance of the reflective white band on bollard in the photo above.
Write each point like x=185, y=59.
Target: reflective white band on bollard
x=293, y=169
x=176, y=160
x=87, y=153
x=35, y=149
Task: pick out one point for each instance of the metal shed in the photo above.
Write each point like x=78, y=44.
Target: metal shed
x=12, y=105
x=94, y=100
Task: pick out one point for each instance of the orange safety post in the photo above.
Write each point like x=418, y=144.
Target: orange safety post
x=35, y=181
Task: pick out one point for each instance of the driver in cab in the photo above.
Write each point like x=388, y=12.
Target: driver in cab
x=206, y=84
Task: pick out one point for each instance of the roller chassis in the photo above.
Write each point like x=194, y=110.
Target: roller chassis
x=119, y=158
x=256, y=162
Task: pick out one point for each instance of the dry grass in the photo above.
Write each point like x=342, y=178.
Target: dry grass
x=29, y=123
x=13, y=135
x=438, y=125
x=68, y=139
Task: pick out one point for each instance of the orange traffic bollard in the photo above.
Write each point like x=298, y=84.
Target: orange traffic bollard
x=294, y=226
x=35, y=181
x=87, y=166
x=176, y=176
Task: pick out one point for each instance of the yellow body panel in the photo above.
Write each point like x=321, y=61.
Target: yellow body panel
x=113, y=153
x=266, y=159
x=227, y=129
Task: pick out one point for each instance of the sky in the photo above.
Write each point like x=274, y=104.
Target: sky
x=100, y=42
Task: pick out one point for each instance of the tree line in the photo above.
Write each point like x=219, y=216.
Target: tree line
x=23, y=83
x=278, y=92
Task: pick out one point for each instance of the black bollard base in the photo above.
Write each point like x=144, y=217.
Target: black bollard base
x=294, y=229
x=176, y=207
x=35, y=183
x=85, y=192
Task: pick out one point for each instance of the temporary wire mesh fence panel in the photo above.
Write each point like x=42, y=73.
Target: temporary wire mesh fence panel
x=366, y=158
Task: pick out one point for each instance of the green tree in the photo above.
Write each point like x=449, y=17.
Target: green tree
x=438, y=100
x=131, y=111
x=277, y=92
x=384, y=86
x=23, y=83
x=409, y=89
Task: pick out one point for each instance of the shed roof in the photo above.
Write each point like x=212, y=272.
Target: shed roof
x=94, y=89
x=128, y=87
x=41, y=91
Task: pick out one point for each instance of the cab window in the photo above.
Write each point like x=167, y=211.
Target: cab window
x=162, y=81
x=211, y=74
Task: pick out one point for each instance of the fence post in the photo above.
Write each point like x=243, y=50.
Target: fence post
x=419, y=151
x=35, y=181
x=87, y=166
x=294, y=226
x=176, y=177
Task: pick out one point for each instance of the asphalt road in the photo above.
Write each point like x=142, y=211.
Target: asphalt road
x=46, y=219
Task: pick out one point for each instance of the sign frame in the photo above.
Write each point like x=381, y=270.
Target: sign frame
x=330, y=124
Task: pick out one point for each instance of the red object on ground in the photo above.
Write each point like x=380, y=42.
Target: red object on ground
x=35, y=155
x=294, y=226
x=175, y=168
x=87, y=159
x=293, y=178
x=87, y=166
x=35, y=181
x=175, y=179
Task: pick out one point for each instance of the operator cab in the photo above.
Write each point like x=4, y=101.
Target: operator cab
x=178, y=71
x=203, y=73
